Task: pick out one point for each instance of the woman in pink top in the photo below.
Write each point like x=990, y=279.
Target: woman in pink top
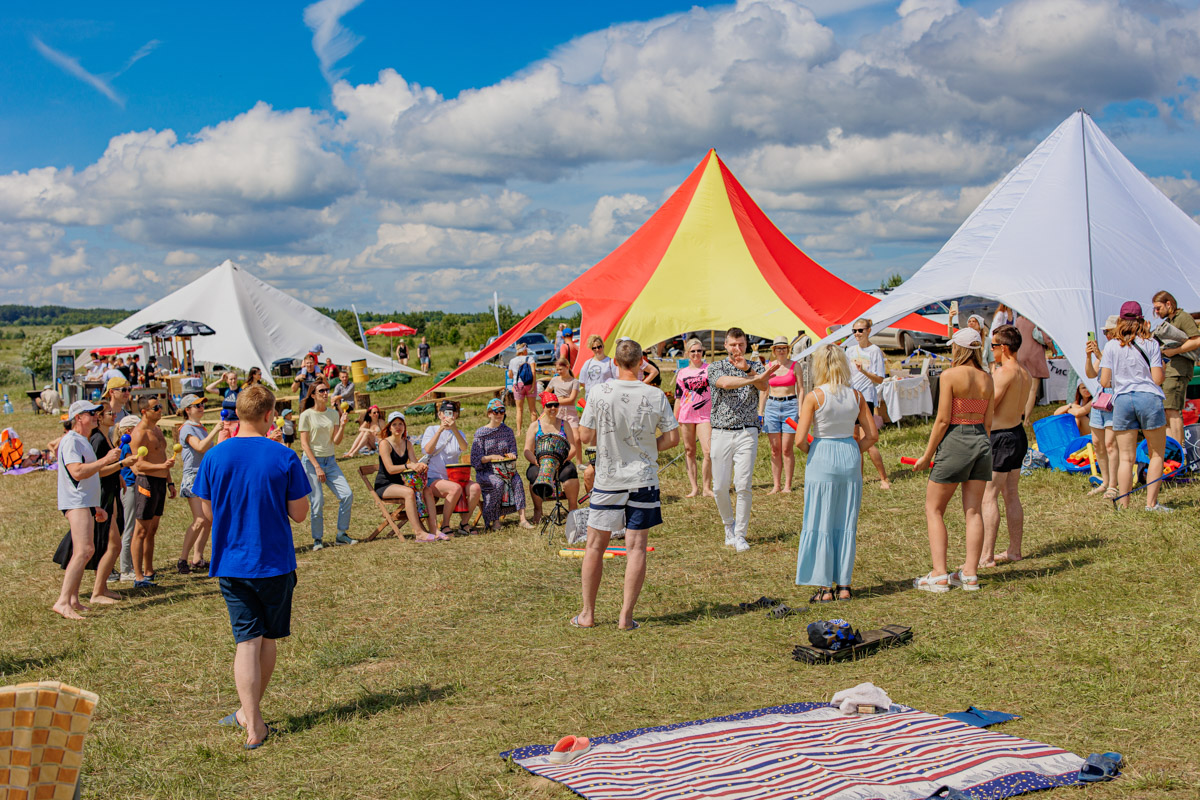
x=776, y=405
x=692, y=410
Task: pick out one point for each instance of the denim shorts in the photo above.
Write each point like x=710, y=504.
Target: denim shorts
x=1138, y=411
x=259, y=606
x=185, y=484
x=777, y=411
x=1100, y=419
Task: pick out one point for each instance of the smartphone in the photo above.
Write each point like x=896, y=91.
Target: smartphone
x=1091, y=336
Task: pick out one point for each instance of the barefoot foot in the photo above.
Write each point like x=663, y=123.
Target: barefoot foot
x=1006, y=558
x=692, y=493
x=774, y=490
x=885, y=484
x=65, y=610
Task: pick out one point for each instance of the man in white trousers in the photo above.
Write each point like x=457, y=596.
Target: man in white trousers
x=735, y=383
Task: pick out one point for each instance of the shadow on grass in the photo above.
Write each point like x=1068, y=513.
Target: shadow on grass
x=147, y=598
x=777, y=536
x=1003, y=574
x=1068, y=546
x=701, y=610
x=12, y=664
x=368, y=704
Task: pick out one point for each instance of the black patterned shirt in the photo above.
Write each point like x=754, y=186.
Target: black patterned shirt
x=734, y=408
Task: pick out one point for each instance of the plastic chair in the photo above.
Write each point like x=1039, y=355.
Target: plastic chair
x=1054, y=434
x=42, y=728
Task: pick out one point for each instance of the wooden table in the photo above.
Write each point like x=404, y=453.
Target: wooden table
x=457, y=393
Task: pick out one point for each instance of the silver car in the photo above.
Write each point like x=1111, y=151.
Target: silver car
x=908, y=340
x=541, y=348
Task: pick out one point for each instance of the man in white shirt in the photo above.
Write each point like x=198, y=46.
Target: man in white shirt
x=524, y=391
x=867, y=371
x=630, y=423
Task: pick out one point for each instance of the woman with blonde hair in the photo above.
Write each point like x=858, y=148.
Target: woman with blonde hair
x=960, y=438
x=832, y=476
x=693, y=401
x=1131, y=366
x=778, y=403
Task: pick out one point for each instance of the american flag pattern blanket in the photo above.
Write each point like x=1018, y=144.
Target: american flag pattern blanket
x=807, y=751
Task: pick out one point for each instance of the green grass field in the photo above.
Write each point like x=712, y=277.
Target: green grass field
x=412, y=665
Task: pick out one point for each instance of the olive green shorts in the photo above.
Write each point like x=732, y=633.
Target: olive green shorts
x=965, y=454
x=1175, y=393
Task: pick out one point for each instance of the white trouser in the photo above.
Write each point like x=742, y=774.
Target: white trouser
x=733, y=454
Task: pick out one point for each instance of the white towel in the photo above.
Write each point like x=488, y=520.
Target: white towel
x=865, y=694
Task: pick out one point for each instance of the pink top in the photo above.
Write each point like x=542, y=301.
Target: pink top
x=784, y=377
x=691, y=386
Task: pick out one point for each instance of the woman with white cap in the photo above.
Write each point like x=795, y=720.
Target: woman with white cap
x=1131, y=367
x=444, y=444
x=195, y=441
x=777, y=404
x=976, y=323
x=396, y=458
x=960, y=439
x=1104, y=442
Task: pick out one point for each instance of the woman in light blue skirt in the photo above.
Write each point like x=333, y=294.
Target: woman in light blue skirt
x=832, y=476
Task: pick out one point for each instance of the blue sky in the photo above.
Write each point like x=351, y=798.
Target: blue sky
x=414, y=155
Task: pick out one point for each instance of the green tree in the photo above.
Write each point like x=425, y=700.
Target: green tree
x=35, y=353
x=891, y=282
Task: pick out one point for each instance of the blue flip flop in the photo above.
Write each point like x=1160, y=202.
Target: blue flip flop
x=230, y=721
x=270, y=731
x=633, y=627
x=1100, y=767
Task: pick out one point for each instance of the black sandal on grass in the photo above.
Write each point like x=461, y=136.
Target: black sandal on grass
x=837, y=590
x=819, y=595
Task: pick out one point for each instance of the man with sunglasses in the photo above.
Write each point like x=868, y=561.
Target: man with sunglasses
x=867, y=371
x=152, y=484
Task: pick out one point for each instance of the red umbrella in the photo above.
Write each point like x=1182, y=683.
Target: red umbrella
x=391, y=329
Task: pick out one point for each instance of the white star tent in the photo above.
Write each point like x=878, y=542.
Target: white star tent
x=255, y=323
x=1070, y=234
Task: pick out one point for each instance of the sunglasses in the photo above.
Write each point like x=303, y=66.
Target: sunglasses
x=859, y=330
x=322, y=391
x=696, y=350
x=551, y=405
x=122, y=389
x=156, y=407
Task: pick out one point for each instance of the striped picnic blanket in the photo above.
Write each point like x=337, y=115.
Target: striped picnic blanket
x=810, y=751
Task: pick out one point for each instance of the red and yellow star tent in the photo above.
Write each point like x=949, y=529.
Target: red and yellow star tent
x=708, y=259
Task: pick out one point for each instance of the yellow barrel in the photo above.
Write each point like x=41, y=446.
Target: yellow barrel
x=358, y=371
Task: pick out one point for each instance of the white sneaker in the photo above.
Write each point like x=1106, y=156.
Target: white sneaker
x=741, y=545
x=730, y=537
x=128, y=577
x=318, y=545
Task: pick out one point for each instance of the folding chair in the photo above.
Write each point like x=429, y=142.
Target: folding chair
x=42, y=728
x=395, y=519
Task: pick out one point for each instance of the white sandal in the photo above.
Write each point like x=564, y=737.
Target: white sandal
x=929, y=583
x=968, y=583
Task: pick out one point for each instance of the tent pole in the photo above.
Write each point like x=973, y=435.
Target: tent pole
x=1088, y=213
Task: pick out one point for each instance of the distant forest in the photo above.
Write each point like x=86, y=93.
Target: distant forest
x=468, y=330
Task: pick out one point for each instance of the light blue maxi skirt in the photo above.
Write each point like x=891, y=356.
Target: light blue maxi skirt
x=832, y=496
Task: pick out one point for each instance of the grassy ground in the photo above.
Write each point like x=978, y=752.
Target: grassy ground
x=411, y=666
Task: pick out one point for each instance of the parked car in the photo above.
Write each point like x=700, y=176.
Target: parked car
x=908, y=340
x=541, y=348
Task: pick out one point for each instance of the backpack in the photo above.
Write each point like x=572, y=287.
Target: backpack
x=525, y=373
x=12, y=452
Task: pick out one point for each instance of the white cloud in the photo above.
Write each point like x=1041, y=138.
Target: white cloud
x=71, y=66
x=180, y=258
x=332, y=41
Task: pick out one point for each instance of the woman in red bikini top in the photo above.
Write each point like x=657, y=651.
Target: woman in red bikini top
x=963, y=456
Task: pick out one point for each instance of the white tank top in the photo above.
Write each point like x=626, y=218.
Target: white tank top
x=835, y=417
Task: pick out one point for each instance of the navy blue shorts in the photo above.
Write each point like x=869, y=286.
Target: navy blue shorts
x=259, y=606
x=635, y=509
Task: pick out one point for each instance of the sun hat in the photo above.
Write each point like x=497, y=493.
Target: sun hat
x=128, y=421
x=780, y=341
x=115, y=382
x=495, y=404
x=982, y=324
x=968, y=338
x=189, y=400
x=547, y=398
x=1111, y=323
x=1131, y=309
x=81, y=407
x=397, y=415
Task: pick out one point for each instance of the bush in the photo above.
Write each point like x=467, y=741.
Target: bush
x=35, y=353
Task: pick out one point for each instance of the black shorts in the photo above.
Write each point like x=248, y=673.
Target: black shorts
x=566, y=472
x=259, y=606
x=150, y=497
x=1009, y=447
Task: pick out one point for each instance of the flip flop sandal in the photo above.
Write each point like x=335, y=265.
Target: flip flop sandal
x=762, y=602
x=779, y=612
x=575, y=623
x=819, y=594
x=257, y=745
x=230, y=721
x=429, y=537
x=444, y=533
x=1100, y=767
x=634, y=625
x=837, y=591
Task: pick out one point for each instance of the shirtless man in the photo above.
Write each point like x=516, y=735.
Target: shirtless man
x=152, y=482
x=1009, y=445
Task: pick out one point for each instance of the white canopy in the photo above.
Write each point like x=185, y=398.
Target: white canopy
x=1070, y=234
x=87, y=341
x=255, y=323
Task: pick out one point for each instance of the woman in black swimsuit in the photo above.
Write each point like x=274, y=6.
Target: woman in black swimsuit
x=396, y=457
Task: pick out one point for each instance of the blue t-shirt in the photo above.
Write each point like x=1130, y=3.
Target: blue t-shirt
x=249, y=481
x=127, y=476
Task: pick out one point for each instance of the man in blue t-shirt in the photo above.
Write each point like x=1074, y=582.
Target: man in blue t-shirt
x=249, y=487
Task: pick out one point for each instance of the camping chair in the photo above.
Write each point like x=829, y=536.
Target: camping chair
x=42, y=727
x=393, y=518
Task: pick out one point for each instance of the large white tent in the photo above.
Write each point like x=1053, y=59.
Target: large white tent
x=87, y=341
x=1070, y=234
x=255, y=323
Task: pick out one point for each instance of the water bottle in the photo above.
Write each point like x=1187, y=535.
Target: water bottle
x=8, y=409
